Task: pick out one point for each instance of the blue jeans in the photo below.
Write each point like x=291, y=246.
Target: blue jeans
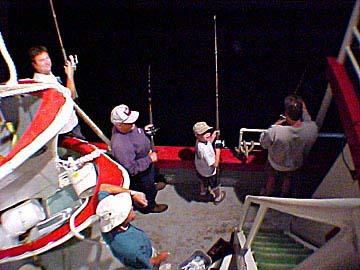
x=144, y=182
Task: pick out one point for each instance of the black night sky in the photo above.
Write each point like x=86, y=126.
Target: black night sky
x=264, y=49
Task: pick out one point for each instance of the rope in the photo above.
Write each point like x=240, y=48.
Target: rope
x=73, y=165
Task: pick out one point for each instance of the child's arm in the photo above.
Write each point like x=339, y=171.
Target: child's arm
x=217, y=157
x=214, y=135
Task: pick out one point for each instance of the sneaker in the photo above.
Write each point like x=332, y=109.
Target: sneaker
x=159, y=177
x=220, y=198
x=160, y=185
x=159, y=208
x=203, y=190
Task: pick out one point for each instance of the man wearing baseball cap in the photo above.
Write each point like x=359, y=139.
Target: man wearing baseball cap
x=131, y=148
x=127, y=243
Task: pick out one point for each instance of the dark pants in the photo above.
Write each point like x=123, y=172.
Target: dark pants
x=211, y=181
x=281, y=183
x=144, y=182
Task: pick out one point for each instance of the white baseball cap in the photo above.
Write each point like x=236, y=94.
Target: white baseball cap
x=122, y=114
x=113, y=210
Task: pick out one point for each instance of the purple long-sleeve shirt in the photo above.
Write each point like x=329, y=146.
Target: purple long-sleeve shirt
x=131, y=150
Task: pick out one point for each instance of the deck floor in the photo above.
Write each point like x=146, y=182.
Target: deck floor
x=190, y=223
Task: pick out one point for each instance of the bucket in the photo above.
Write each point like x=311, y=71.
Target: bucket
x=84, y=180
x=199, y=260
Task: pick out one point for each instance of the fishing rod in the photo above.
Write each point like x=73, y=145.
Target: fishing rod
x=152, y=130
x=74, y=61
x=301, y=80
x=216, y=89
x=58, y=30
x=216, y=80
x=218, y=141
x=150, y=107
x=305, y=72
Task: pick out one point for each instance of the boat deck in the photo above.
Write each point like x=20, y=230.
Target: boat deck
x=190, y=223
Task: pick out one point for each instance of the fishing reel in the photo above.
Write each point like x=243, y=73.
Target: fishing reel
x=73, y=60
x=282, y=120
x=152, y=131
x=219, y=144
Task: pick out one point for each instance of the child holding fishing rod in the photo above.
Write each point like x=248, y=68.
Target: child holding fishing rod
x=207, y=160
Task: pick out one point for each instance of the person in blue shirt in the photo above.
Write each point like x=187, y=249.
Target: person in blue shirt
x=130, y=245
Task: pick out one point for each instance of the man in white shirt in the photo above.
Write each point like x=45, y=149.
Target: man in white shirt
x=41, y=62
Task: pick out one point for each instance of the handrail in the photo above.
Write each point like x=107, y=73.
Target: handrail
x=348, y=39
x=243, y=142
x=356, y=33
x=246, y=147
x=336, y=212
x=10, y=63
x=353, y=61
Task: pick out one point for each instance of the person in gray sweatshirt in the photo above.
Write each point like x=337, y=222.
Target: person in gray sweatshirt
x=288, y=142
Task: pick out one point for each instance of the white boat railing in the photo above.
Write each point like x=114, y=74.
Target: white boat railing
x=245, y=147
x=10, y=63
x=242, y=141
x=345, y=53
x=342, y=213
